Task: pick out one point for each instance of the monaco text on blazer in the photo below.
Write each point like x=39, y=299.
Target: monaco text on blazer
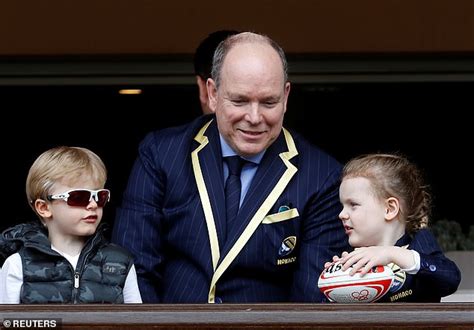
x=438, y=276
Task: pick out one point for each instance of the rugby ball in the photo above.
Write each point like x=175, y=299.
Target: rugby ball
x=338, y=286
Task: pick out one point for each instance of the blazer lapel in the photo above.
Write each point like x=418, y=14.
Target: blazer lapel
x=269, y=172
x=207, y=168
x=278, y=170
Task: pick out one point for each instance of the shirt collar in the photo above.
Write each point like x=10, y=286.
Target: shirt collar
x=227, y=151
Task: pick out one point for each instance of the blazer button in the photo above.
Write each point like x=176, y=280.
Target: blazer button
x=218, y=300
x=433, y=268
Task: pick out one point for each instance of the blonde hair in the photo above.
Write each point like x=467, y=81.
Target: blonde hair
x=395, y=176
x=62, y=164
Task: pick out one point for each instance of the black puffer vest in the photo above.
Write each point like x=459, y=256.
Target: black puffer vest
x=49, y=278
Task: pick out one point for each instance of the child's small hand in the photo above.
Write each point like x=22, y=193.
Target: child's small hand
x=335, y=259
x=364, y=258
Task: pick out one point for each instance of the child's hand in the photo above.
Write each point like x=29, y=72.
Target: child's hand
x=365, y=258
x=334, y=259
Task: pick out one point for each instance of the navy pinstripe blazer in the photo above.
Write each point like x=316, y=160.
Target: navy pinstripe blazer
x=438, y=276
x=173, y=220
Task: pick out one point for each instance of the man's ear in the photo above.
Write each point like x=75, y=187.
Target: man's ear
x=287, y=92
x=43, y=208
x=212, y=93
x=392, y=208
x=203, y=97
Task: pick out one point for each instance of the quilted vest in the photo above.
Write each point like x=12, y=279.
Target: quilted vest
x=48, y=277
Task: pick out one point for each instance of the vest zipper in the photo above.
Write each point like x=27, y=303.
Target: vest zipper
x=76, y=280
x=81, y=262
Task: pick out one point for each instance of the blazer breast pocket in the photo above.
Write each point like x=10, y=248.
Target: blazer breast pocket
x=281, y=240
x=281, y=216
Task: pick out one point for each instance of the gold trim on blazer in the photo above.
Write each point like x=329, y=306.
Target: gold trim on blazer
x=206, y=204
x=259, y=215
x=281, y=216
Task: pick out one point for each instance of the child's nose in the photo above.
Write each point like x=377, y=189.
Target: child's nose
x=92, y=204
x=343, y=215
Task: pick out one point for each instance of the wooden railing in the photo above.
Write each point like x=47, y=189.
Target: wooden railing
x=247, y=316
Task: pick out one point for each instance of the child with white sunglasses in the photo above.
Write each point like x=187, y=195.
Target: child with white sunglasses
x=65, y=257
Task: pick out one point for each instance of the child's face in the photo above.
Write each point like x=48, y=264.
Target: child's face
x=73, y=221
x=363, y=214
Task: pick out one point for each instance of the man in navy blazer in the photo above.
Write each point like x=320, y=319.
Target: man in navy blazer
x=173, y=216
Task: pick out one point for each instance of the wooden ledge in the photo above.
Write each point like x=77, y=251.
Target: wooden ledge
x=251, y=316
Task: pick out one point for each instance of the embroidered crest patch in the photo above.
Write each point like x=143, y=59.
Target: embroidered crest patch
x=400, y=277
x=287, y=246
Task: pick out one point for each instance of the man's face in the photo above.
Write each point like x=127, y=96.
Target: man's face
x=251, y=100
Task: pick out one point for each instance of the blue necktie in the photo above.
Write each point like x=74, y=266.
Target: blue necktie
x=233, y=187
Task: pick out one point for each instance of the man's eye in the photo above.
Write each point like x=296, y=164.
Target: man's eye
x=238, y=103
x=270, y=104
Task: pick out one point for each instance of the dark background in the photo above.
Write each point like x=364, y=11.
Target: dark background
x=426, y=121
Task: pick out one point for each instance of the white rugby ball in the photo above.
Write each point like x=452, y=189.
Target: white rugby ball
x=338, y=286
